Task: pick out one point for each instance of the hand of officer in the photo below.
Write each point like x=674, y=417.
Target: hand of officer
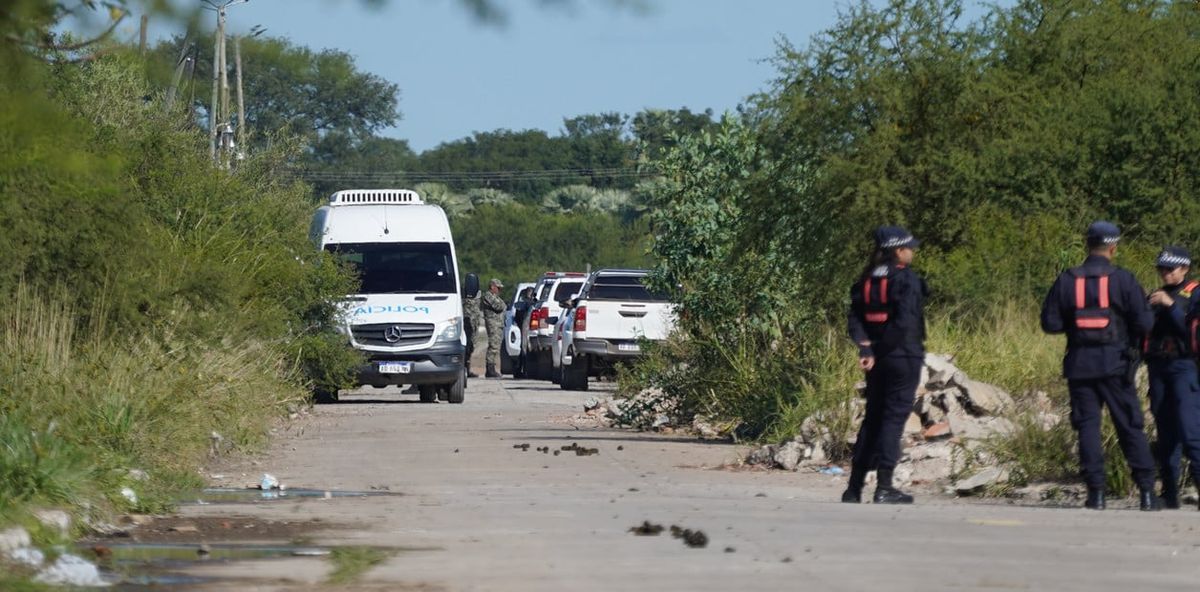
x=866, y=363
x=1160, y=298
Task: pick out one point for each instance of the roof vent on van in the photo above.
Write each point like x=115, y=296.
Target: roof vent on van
x=363, y=197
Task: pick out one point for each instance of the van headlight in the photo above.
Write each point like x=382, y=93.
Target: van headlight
x=452, y=331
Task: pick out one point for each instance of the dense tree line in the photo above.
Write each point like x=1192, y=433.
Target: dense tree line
x=337, y=112
x=994, y=140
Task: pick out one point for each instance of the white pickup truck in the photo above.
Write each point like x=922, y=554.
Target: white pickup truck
x=555, y=289
x=613, y=315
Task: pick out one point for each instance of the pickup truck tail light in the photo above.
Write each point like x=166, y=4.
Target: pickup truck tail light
x=538, y=319
x=534, y=320
x=581, y=318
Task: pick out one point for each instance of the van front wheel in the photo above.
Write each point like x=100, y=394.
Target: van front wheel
x=456, y=392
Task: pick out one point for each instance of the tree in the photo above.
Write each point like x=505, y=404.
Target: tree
x=598, y=144
x=658, y=130
x=318, y=96
x=526, y=163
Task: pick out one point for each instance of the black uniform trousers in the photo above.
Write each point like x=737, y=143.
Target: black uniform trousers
x=1175, y=402
x=470, y=329
x=1125, y=409
x=891, y=389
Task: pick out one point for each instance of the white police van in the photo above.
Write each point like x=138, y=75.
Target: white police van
x=407, y=316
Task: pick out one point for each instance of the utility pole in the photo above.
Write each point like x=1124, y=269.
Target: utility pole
x=241, y=126
x=219, y=116
x=142, y=34
x=213, y=117
x=187, y=61
x=226, y=115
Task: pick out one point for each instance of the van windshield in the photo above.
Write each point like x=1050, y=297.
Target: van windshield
x=399, y=268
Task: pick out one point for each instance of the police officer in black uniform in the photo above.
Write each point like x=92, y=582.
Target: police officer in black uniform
x=1105, y=315
x=1174, y=394
x=887, y=322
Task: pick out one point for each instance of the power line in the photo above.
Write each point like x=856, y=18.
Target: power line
x=478, y=176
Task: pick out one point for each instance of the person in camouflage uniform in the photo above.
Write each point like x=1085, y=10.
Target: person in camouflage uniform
x=472, y=323
x=493, y=318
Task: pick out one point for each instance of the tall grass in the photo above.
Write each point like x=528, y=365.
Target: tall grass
x=772, y=386
x=1005, y=346
x=81, y=407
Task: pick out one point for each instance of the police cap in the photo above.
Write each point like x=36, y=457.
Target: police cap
x=1172, y=257
x=1103, y=233
x=894, y=237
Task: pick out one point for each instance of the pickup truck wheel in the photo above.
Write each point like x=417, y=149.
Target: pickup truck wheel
x=455, y=392
x=506, y=362
x=428, y=393
x=575, y=375
x=537, y=366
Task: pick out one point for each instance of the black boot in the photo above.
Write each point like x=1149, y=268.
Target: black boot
x=1148, y=502
x=885, y=493
x=491, y=371
x=1095, y=499
x=1170, y=496
x=853, y=493
x=471, y=374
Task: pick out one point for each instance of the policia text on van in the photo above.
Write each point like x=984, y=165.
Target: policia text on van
x=407, y=315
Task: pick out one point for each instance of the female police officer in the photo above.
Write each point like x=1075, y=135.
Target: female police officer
x=887, y=322
x=1174, y=394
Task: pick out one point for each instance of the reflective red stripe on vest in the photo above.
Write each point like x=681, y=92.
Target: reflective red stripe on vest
x=1091, y=323
x=883, y=291
x=1081, y=292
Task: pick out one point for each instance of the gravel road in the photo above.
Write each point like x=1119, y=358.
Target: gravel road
x=478, y=514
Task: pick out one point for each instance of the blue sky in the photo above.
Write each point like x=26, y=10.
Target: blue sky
x=458, y=76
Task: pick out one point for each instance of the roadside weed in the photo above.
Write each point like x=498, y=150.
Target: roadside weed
x=350, y=563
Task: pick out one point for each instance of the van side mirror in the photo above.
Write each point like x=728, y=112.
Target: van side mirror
x=470, y=285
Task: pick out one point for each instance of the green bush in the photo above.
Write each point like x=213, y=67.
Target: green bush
x=995, y=141
x=149, y=299
x=40, y=467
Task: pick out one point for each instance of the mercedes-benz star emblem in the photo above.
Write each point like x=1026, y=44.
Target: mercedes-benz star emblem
x=393, y=334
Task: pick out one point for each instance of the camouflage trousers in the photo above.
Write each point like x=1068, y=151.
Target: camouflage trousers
x=495, y=340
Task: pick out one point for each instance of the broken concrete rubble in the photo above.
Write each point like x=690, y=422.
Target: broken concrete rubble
x=951, y=412
x=981, y=398
x=977, y=482
x=789, y=455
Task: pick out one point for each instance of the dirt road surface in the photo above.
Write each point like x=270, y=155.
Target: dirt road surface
x=478, y=514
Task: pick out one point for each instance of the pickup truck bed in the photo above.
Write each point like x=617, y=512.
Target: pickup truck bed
x=614, y=315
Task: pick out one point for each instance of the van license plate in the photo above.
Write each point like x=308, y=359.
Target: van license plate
x=629, y=347
x=395, y=367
